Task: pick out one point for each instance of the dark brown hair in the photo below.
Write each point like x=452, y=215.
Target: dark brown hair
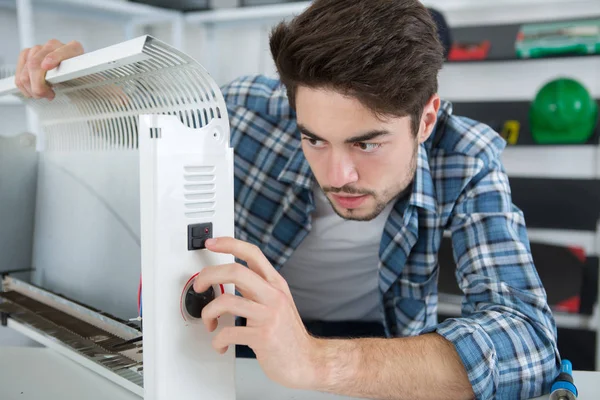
x=385, y=53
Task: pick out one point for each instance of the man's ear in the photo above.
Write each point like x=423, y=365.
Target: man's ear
x=429, y=118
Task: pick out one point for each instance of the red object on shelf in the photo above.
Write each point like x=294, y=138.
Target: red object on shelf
x=578, y=252
x=570, y=305
x=469, y=51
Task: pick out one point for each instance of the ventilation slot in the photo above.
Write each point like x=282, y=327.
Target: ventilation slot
x=199, y=191
x=155, y=133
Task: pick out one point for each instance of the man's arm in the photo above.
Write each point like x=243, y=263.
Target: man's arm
x=506, y=337
x=420, y=367
x=505, y=342
x=425, y=367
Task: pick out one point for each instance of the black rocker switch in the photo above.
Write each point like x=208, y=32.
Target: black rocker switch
x=195, y=302
x=197, y=235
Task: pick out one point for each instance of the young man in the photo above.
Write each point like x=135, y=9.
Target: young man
x=346, y=178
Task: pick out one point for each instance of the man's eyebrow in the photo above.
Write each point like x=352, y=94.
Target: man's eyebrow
x=355, y=139
x=306, y=132
x=368, y=136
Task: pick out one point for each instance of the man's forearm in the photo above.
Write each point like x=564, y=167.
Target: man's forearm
x=421, y=367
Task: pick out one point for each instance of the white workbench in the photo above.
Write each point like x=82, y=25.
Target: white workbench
x=28, y=373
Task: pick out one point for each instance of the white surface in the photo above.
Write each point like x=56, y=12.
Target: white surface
x=108, y=58
x=13, y=338
x=40, y=373
x=17, y=200
x=186, y=177
x=587, y=240
x=514, y=80
x=570, y=162
x=59, y=348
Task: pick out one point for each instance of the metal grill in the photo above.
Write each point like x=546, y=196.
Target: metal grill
x=99, y=111
x=7, y=71
x=98, y=345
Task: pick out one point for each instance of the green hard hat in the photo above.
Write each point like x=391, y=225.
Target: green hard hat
x=563, y=111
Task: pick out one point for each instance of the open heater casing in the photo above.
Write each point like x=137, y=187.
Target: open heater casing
x=134, y=164
x=186, y=178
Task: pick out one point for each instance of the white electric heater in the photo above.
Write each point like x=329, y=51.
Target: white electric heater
x=135, y=147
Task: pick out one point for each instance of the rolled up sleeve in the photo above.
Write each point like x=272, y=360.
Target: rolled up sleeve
x=506, y=336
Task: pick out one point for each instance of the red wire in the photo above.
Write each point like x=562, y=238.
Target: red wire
x=140, y=296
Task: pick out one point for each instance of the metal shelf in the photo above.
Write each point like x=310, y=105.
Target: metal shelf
x=283, y=10
x=247, y=14
x=118, y=9
x=457, y=5
x=576, y=161
x=451, y=305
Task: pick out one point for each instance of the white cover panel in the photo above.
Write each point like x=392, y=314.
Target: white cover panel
x=167, y=166
x=88, y=229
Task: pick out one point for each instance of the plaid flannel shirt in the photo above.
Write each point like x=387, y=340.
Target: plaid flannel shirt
x=506, y=336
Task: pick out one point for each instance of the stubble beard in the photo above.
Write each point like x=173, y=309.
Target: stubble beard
x=381, y=200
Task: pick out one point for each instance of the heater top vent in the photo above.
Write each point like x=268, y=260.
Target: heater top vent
x=99, y=95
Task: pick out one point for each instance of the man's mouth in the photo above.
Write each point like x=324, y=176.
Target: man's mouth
x=349, y=201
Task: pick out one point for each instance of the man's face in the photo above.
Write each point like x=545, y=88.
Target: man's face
x=360, y=161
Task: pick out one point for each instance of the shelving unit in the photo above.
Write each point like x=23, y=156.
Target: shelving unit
x=261, y=14
x=114, y=9
x=451, y=305
x=128, y=13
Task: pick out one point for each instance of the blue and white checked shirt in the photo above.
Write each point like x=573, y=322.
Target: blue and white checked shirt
x=506, y=336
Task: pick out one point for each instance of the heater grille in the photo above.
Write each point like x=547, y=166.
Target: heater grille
x=99, y=111
x=7, y=71
x=200, y=190
x=97, y=345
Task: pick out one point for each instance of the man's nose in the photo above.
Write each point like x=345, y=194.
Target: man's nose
x=341, y=170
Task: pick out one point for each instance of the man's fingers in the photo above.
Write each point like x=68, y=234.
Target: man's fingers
x=248, y=283
x=58, y=55
x=20, y=65
x=234, y=305
x=24, y=81
x=232, y=335
x=250, y=253
x=39, y=87
x=26, y=72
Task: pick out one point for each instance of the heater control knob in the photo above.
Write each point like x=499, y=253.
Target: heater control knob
x=195, y=302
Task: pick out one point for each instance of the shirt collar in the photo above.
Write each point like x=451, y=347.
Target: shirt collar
x=297, y=170
x=423, y=191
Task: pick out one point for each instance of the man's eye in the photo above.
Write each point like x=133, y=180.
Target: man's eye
x=314, y=142
x=368, y=147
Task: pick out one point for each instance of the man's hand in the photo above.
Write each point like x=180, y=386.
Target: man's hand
x=283, y=347
x=423, y=367
x=33, y=64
